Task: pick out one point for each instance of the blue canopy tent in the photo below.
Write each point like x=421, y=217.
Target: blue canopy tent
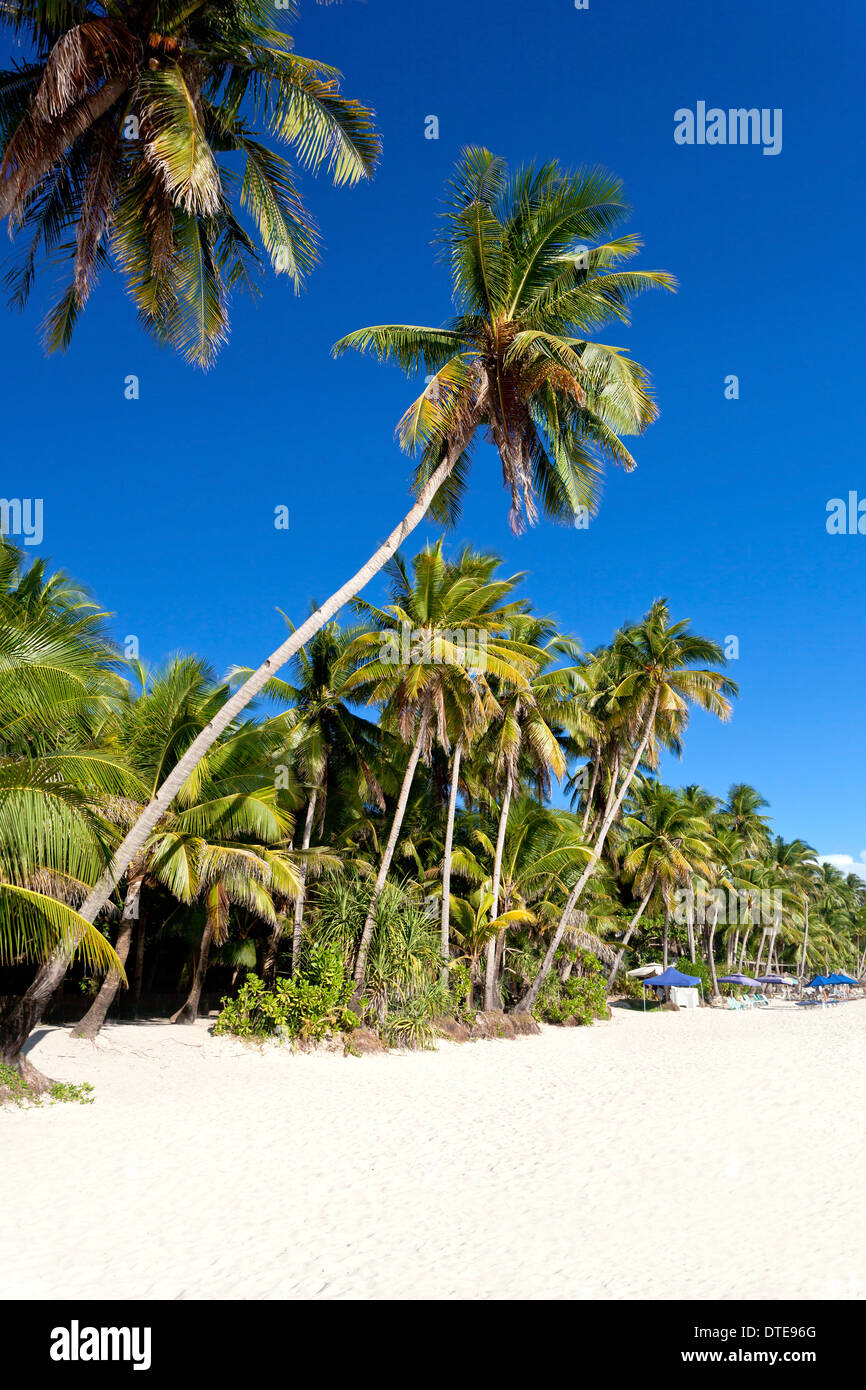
x=846, y=980
x=671, y=979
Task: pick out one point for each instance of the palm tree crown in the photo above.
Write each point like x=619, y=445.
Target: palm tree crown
x=535, y=270
x=120, y=138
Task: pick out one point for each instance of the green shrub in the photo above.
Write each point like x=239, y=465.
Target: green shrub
x=62, y=1091
x=459, y=992
x=582, y=997
x=308, y=1007
x=632, y=989
x=410, y=1022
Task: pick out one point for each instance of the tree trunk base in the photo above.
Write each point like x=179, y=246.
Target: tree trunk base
x=34, y=1079
x=187, y=1013
x=87, y=1030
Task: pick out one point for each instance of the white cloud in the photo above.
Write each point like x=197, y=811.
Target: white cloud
x=846, y=862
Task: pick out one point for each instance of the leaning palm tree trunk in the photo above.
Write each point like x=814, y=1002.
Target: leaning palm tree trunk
x=93, y=1020
x=490, y=1000
x=446, y=863
x=30, y=1008
x=711, y=949
x=527, y=1003
x=614, y=969
x=367, y=934
x=591, y=793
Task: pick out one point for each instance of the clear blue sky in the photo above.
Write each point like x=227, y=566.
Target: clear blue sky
x=165, y=505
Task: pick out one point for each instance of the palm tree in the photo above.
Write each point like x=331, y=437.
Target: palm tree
x=429, y=658
x=336, y=749
x=474, y=926
x=742, y=813
x=703, y=803
x=530, y=730
x=542, y=854
x=669, y=842
x=562, y=398
x=58, y=788
x=118, y=138
x=213, y=844
x=518, y=358
x=659, y=681
x=790, y=866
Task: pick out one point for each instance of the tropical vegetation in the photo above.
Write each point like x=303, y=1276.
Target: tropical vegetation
x=387, y=839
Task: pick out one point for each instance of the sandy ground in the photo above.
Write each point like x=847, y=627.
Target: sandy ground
x=705, y=1154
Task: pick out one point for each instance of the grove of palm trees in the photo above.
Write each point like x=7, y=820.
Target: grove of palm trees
x=445, y=808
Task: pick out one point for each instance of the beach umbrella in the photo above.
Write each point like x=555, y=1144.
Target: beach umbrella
x=846, y=980
x=789, y=980
x=819, y=982
x=771, y=980
x=738, y=980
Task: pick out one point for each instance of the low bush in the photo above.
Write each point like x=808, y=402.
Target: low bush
x=410, y=1022
x=308, y=1007
x=582, y=997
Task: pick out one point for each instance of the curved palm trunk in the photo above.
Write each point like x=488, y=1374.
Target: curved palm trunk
x=601, y=816
x=614, y=969
x=446, y=863
x=711, y=954
x=666, y=936
x=17, y=1025
x=367, y=934
x=527, y=1003
x=188, y=1012
x=93, y=1020
x=27, y=1013
x=490, y=1000
x=746, y=934
x=805, y=941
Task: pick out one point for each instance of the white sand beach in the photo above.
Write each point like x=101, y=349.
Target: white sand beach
x=703, y=1154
